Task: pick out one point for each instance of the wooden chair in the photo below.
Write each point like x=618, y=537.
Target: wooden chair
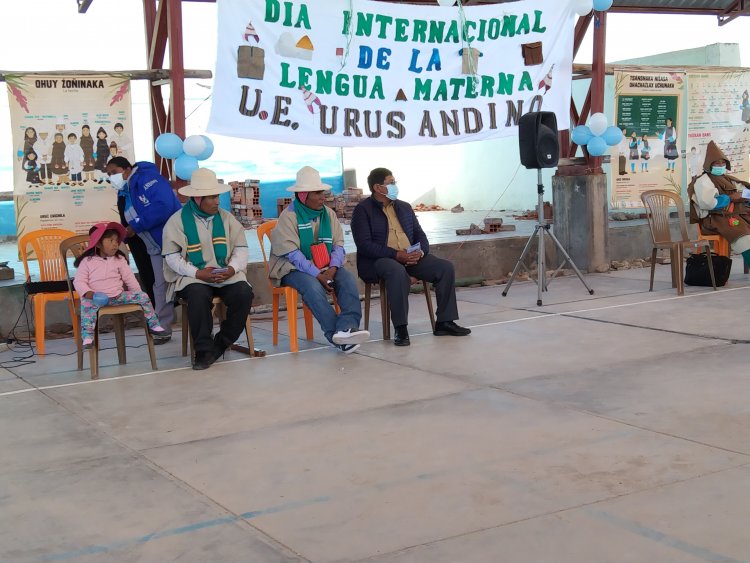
x=290, y=297
x=76, y=245
x=657, y=204
x=385, y=310
x=721, y=245
x=45, y=244
x=217, y=302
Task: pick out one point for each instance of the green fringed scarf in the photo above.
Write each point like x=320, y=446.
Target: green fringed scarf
x=218, y=236
x=305, y=217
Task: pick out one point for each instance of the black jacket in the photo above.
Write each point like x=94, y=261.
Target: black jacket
x=370, y=232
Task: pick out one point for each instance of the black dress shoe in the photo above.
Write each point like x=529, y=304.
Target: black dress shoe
x=220, y=346
x=401, y=338
x=203, y=360
x=449, y=328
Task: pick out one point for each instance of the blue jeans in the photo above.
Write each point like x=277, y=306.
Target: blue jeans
x=316, y=298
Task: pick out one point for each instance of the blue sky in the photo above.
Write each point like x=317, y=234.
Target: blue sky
x=51, y=35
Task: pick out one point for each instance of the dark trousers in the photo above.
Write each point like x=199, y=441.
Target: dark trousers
x=431, y=269
x=140, y=256
x=237, y=297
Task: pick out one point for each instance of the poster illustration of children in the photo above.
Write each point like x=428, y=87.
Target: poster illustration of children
x=31, y=167
x=43, y=150
x=745, y=107
x=622, y=148
x=27, y=145
x=645, y=153
x=633, y=146
x=113, y=151
x=59, y=168
x=74, y=159
x=124, y=143
x=102, y=152
x=670, y=143
x=87, y=146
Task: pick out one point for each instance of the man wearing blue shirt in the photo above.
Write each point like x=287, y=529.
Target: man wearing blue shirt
x=148, y=202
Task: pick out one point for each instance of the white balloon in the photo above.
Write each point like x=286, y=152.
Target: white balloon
x=194, y=145
x=449, y=2
x=583, y=7
x=597, y=124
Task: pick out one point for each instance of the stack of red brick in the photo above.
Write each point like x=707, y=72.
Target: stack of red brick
x=344, y=203
x=246, y=203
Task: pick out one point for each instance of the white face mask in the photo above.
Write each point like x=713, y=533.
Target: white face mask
x=117, y=181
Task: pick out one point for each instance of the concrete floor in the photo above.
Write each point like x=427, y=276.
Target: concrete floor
x=600, y=428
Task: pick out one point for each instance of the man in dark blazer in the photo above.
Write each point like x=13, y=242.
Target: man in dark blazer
x=393, y=247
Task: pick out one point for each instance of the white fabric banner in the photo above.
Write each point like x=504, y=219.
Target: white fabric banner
x=364, y=73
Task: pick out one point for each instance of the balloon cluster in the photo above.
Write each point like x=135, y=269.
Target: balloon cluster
x=596, y=137
x=186, y=154
x=583, y=7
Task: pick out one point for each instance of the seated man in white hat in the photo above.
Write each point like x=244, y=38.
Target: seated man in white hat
x=205, y=254
x=307, y=253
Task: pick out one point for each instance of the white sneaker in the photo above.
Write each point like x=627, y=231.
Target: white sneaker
x=351, y=336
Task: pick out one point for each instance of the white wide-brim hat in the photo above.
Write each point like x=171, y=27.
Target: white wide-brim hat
x=308, y=180
x=203, y=182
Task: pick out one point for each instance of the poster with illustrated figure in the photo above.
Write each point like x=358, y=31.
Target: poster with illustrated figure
x=650, y=157
x=719, y=111
x=363, y=73
x=65, y=129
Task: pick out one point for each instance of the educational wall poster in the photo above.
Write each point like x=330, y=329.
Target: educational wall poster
x=648, y=110
x=65, y=129
x=349, y=73
x=719, y=111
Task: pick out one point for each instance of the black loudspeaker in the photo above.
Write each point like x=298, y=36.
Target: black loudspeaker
x=537, y=140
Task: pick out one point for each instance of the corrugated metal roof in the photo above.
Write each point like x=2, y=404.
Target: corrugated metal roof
x=703, y=7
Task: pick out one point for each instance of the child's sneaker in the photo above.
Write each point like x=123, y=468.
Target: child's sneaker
x=159, y=330
x=88, y=343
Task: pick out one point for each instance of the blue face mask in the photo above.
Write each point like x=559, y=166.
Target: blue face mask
x=718, y=170
x=392, y=192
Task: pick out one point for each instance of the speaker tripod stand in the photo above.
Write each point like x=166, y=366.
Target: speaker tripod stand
x=541, y=230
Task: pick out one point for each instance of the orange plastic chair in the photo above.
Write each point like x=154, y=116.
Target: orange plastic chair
x=721, y=245
x=45, y=244
x=290, y=297
x=658, y=203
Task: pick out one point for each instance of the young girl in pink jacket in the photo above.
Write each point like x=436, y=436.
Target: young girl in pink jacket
x=103, y=270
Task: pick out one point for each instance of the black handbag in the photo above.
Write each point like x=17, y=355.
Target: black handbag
x=696, y=269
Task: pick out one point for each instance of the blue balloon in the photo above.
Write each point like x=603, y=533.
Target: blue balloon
x=597, y=146
x=100, y=299
x=208, y=151
x=613, y=136
x=184, y=166
x=168, y=145
x=581, y=135
x=602, y=5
